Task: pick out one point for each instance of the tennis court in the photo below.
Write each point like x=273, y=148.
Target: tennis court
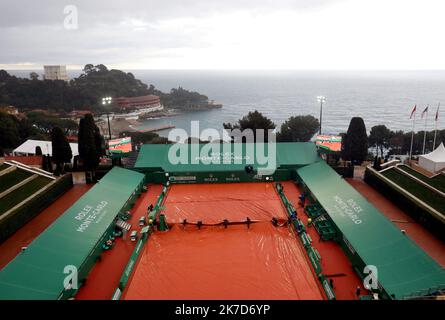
x=217, y=261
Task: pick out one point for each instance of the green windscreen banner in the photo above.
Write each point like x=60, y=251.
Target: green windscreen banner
x=40, y=271
x=402, y=267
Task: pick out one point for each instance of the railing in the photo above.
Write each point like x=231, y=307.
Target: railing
x=313, y=255
x=145, y=233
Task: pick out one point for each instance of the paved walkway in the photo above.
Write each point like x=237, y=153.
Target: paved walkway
x=24, y=236
x=427, y=241
x=105, y=275
x=334, y=262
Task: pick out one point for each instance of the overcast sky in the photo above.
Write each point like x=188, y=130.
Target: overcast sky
x=225, y=34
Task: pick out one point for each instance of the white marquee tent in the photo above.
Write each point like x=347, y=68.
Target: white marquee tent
x=29, y=148
x=433, y=161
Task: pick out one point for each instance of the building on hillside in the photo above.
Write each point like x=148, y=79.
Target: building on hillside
x=142, y=104
x=55, y=73
x=77, y=114
x=10, y=110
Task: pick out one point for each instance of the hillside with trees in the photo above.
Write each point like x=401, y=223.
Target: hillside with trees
x=87, y=90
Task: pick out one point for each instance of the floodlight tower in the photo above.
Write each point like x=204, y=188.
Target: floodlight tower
x=322, y=100
x=107, y=101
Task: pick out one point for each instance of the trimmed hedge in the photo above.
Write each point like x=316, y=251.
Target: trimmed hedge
x=346, y=172
x=20, y=216
x=408, y=205
x=27, y=190
x=437, y=182
x=12, y=178
x=418, y=190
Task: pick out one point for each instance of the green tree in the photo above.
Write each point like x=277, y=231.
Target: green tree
x=355, y=142
x=396, y=142
x=44, y=163
x=9, y=133
x=255, y=121
x=144, y=137
x=90, y=143
x=87, y=90
x=27, y=130
x=181, y=98
x=47, y=163
x=38, y=151
x=89, y=68
x=61, y=149
x=298, y=129
x=45, y=122
x=34, y=76
x=379, y=138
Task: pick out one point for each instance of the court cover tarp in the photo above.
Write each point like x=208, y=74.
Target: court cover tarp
x=38, y=272
x=210, y=205
x=403, y=267
x=262, y=262
x=155, y=157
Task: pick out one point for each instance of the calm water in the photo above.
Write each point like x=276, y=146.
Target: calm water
x=379, y=97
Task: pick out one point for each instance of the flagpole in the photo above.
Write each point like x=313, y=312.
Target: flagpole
x=424, y=134
x=435, y=127
x=412, y=138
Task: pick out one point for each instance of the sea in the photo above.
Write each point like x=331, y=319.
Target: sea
x=379, y=97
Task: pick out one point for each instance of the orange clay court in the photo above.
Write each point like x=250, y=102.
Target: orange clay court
x=213, y=262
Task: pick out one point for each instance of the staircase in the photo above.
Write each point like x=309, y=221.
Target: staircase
x=131, y=159
x=123, y=225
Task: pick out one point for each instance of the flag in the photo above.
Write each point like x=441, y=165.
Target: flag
x=413, y=112
x=437, y=113
x=424, y=111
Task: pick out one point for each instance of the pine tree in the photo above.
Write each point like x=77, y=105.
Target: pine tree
x=61, y=149
x=254, y=120
x=38, y=151
x=355, y=143
x=298, y=129
x=91, y=146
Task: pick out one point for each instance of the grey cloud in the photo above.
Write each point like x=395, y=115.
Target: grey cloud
x=32, y=30
x=47, y=12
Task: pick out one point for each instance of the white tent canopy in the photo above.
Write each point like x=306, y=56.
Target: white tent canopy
x=433, y=161
x=29, y=147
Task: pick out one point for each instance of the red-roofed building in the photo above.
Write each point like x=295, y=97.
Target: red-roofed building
x=10, y=110
x=72, y=138
x=144, y=104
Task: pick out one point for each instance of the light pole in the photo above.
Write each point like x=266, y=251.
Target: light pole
x=107, y=101
x=321, y=99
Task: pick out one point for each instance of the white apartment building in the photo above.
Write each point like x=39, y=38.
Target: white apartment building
x=55, y=73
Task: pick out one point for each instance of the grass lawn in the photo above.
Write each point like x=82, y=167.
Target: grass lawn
x=429, y=197
x=3, y=166
x=20, y=194
x=437, y=182
x=12, y=178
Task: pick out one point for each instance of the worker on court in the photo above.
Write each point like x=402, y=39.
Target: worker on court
x=358, y=291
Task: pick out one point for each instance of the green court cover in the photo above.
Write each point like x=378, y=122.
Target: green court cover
x=38, y=272
x=403, y=268
x=224, y=157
